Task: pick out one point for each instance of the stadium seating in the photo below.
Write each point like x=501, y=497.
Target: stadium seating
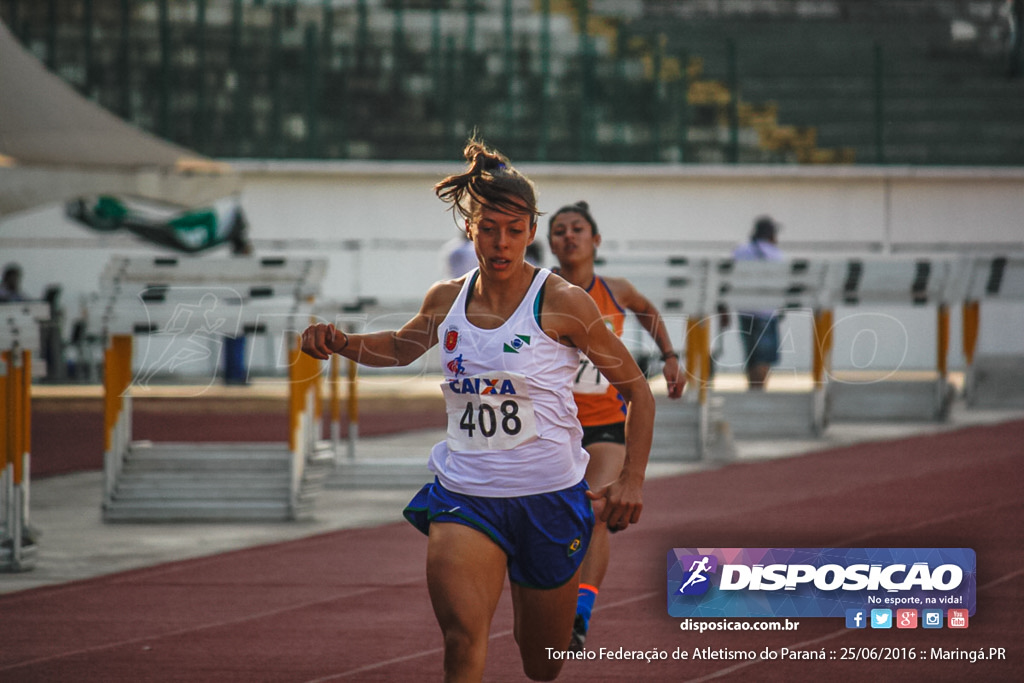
x=912, y=82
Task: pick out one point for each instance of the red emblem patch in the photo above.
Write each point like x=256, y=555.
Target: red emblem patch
x=451, y=340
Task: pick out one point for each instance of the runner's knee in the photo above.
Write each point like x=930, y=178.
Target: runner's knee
x=543, y=670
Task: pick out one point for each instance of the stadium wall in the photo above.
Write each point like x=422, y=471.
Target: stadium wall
x=383, y=229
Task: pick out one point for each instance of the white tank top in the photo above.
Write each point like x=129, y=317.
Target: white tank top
x=512, y=427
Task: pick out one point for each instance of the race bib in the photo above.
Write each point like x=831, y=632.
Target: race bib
x=489, y=412
x=589, y=379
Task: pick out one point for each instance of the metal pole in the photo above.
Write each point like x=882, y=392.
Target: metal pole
x=14, y=16
x=545, y=79
x=509, y=68
x=353, y=404
x=124, y=60
x=362, y=35
x=199, y=126
x=879, y=105
x=87, y=52
x=335, y=401
x=468, y=69
x=734, y=96
x=684, y=106
x=238, y=101
x=436, y=51
x=657, y=60
x=328, y=30
x=586, y=104
x=164, y=116
x=312, y=92
x=398, y=44
x=341, y=116
x=51, y=36
x=451, y=93
x=274, y=142
x=7, y=444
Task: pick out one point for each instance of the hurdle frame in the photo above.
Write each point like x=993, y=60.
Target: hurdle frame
x=125, y=281
x=19, y=336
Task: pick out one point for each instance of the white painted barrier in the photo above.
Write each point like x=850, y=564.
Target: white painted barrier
x=195, y=304
x=992, y=380
x=19, y=341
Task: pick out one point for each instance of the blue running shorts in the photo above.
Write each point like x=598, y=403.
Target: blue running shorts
x=545, y=536
x=760, y=339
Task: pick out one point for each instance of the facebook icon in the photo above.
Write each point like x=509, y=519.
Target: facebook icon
x=856, y=618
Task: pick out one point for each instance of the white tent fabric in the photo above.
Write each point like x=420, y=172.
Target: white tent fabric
x=56, y=145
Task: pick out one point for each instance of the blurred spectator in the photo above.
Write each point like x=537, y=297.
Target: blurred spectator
x=459, y=256
x=10, y=287
x=758, y=329
x=534, y=254
x=235, y=370
x=238, y=235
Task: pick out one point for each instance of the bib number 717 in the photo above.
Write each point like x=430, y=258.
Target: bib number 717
x=589, y=379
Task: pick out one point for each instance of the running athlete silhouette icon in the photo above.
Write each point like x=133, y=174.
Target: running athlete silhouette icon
x=697, y=570
x=208, y=322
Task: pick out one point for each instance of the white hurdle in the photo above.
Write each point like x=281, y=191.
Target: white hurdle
x=790, y=286
x=351, y=470
x=993, y=380
x=696, y=285
x=194, y=304
x=907, y=282
x=19, y=340
x=685, y=430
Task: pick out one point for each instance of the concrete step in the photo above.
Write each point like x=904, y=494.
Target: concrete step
x=380, y=473
x=199, y=511
x=215, y=483
x=260, y=457
x=157, y=491
x=682, y=429
x=996, y=381
x=890, y=400
x=774, y=415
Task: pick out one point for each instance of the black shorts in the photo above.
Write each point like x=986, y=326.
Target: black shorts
x=613, y=433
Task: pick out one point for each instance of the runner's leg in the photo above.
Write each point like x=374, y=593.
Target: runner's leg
x=543, y=619
x=465, y=577
x=606, y=460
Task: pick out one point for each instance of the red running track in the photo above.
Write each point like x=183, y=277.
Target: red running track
x=69, y=438
x=353, y=606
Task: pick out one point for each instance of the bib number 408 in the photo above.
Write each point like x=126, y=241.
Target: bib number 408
x=484, y=418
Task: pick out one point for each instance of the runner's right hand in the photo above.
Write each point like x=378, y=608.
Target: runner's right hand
x=321, y=340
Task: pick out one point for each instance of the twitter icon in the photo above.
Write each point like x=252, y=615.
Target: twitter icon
x=881, y=618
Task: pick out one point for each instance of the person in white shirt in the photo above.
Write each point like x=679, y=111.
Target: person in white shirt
x=759, y=329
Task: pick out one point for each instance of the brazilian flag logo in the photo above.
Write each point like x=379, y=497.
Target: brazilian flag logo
x=575, y=546
x=517, y=343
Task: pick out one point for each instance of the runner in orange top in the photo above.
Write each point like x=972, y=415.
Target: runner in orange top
x=573, y=239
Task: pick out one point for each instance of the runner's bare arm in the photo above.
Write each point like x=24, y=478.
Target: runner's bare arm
x=572, y=315
x=390, y=347
x=650, y=319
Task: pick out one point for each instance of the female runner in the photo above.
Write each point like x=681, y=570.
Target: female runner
x=509, y=497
